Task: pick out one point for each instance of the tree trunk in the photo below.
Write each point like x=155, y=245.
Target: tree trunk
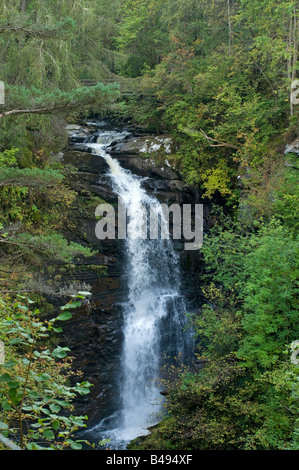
x=295, y=47
x=293, y=53
x=23, y=6
x=230, y=29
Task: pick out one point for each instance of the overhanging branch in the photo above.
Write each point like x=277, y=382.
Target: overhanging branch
x=46, y=110
x=62, y=28
x=218, y=143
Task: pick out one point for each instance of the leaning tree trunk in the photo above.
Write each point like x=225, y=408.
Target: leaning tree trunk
x=295, y=46
x=293, y=53
x=230, y=29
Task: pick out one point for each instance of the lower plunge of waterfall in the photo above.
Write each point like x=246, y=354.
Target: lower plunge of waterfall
x=153, y=313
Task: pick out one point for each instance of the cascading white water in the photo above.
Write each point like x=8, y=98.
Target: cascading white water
x=153, y=311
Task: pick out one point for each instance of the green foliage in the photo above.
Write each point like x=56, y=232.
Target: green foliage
x=140, y=37
x=223, y=98
x=8, y=157
x=44, y=52
x=218, y=327
x=286, y=201
x=269, y=295
x=55, y=245
x=29, y=176
x=12, y=202
x=21, y=187
x=35, y=111
x=35, y=400
x=245, y=395
x=84, y=97
x=262, y=269
x=61, y=42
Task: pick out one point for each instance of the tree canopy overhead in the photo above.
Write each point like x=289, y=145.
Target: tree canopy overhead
x=46, y=49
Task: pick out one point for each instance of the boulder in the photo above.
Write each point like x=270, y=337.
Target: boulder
x=147, y=155
x=85, y=161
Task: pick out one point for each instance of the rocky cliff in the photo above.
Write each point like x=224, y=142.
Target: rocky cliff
x=94, y=333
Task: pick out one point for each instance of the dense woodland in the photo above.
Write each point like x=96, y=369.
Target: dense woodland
x=216, y=75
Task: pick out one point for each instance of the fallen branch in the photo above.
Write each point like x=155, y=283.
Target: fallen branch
x=21, y=244
x=49, y=110
x=46, y=110
x=219, y=142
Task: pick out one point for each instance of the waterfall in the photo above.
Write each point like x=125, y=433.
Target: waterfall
x=153, y=310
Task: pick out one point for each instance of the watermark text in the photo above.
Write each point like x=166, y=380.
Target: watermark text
x=152, y=222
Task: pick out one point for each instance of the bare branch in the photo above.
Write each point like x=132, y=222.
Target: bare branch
x=219, y=143
x=46, y=110
x=24, y=244
x=22, y=27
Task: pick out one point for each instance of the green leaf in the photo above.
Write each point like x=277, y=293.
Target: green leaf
x=5, y=378
x=55, y=408
x=36, y=324
x=13, y=395
x=33, y=446
x=71, y=305
x=60, y=352
x=58, y=330
x=27, y=408
x=10, y=364
x=83, y=389
x=43, y=377
x=64, y=316
x=55, y=425
x=13, y=384
x=37, y=425
x=48, y=434
x=5, y=405
x=74, y=445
